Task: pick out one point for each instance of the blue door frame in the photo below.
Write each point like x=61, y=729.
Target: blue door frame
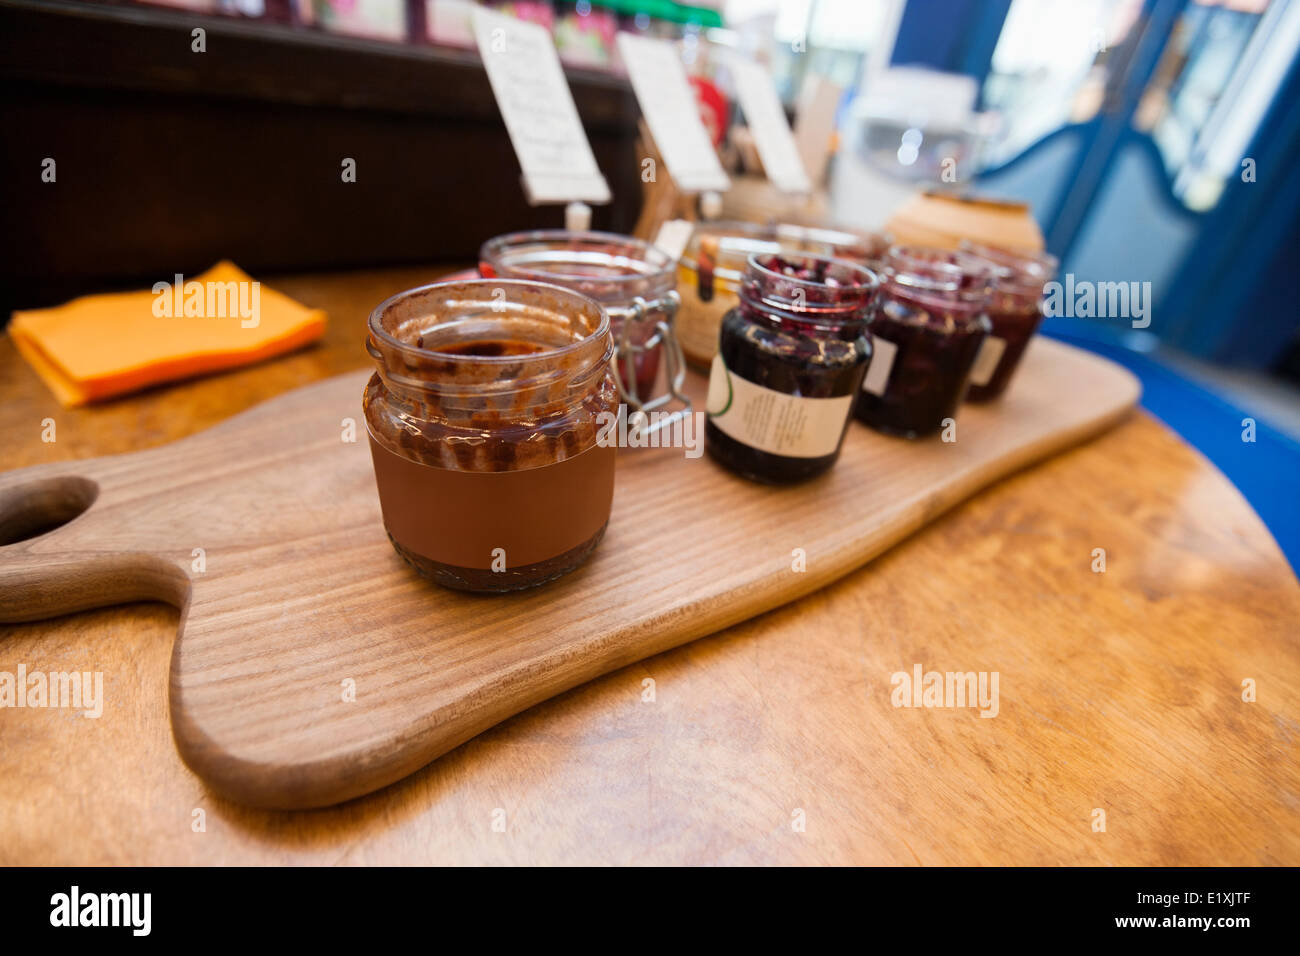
x=959, y=36
x=1230, y=299
x=955, y=36
x=1234, y=299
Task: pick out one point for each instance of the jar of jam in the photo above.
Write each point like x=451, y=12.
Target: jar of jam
x=483, y=419
x=928, y=329
x=790, y=359
x=1015, y=310
x=633, y=280
x=712, y=268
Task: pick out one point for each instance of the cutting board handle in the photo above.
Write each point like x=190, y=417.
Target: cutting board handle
x=43, y=574
x=31, y=508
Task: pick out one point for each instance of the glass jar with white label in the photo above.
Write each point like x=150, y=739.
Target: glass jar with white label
x=713, y=264
x=1016, y=311
x=929, y=327
x=791, y=356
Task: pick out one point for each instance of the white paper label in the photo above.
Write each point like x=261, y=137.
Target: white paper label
x=672, y=113
x=883, y=352
x=814, y=123
x=537, y=106
x=773, y=421
x=986, y=362
x=673, y=236
x=767, y=122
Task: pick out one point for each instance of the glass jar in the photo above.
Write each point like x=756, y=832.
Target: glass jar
x=711, y=269
x=790, y=361
x=1015, y=310
x=633, y=280
x=930, y=324
x=483, y=420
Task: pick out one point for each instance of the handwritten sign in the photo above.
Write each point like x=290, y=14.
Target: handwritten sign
x=537, y=106
x=668, y=103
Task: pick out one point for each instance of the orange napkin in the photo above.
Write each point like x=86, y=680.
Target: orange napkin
x=104, y=345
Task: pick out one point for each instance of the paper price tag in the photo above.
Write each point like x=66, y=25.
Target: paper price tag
x=814, y=123
x=987, y=359
x=883, y=353
x=673, y=237
x=668, y=103
x=767, y=122
x=537, y=106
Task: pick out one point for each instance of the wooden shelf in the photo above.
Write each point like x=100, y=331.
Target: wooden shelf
x=143, y=48
x=168, y=160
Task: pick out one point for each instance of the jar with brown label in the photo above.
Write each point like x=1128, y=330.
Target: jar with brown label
x=484, y=416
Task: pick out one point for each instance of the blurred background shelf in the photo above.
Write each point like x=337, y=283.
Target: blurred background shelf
x=169, y=160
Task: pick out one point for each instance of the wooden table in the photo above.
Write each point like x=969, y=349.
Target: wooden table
x=1119, y=691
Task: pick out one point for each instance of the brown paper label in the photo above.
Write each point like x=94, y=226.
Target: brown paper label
x=461, y=517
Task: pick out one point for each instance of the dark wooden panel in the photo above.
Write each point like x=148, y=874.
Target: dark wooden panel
x=168, y=160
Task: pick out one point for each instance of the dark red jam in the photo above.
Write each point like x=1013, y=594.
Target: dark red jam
x=707, y=262
x=1015, y=310
x=791, y=357
x=928, y=329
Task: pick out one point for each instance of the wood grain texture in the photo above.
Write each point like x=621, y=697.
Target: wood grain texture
x=300, y=592
x=1119, y=691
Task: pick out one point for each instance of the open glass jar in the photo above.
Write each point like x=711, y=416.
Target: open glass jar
x=633, y=280
x=790, y=361
x=713, y=266
x=1015, y=310
x=928, y=330
x=483, y=419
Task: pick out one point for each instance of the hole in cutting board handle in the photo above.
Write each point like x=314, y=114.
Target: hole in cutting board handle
x=39, y=507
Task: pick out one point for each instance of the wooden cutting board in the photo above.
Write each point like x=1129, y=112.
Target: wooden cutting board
x=296, y=595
